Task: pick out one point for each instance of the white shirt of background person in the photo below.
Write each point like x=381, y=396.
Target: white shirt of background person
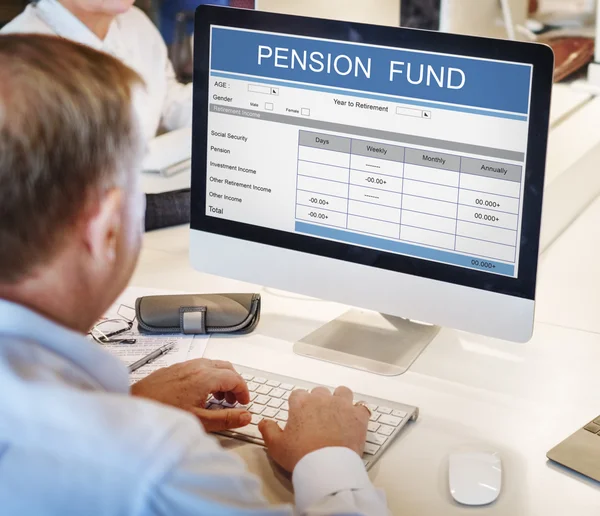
x=122, y=30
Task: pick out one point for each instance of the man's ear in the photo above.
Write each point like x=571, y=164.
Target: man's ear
x=103, y=228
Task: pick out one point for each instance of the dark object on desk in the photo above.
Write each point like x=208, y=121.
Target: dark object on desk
x=581, y=451
x=198, y=313
x=571, y=53
x=167, y=209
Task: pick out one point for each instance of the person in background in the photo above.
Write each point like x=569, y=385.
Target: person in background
x=124, y=31
x=75, y=439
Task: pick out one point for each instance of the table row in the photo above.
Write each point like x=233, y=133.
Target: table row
x=466, y=237
x=334, y=180
x=345, y=152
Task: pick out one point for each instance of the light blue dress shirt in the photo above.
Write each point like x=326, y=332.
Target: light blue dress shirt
x=74, y=442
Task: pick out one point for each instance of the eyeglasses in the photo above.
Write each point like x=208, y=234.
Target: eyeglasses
x=114, y=330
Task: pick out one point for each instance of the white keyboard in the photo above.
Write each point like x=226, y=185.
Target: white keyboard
x=269, y=394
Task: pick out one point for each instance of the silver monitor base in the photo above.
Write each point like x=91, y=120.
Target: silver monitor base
x=369, y=341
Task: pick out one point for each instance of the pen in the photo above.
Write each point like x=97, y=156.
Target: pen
x=163, y=350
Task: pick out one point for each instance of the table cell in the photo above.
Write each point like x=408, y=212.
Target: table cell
x=338, y=159
x=311, y=184
x=431, y=175
x=427, y=237
x=307, y=168
x=437, y=192
x=379, y=150
x=488, y=217
x=374, y=211
x=359, y=193
x=485, y=249
x=320, y=216
x=326, y=202
x=379, y=166
x=490, y=234
x=488, y=185
x=324, y=141
x=376, y=181
x=420, y=204
x=479, y=167
x=488, y=201
x=373, y=227
x=421, y=220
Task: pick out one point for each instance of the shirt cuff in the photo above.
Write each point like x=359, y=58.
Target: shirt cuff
x=325, y=472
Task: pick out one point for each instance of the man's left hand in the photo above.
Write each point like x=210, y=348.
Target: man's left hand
x=188, y=386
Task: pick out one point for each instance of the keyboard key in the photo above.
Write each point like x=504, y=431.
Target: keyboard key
x=256, y=418
x=282, y=424
x=282, y=415
x=215, y=401
x=373, y=426
x=376, y=438
x=273, y=383
x=286, y=396
x=285, y=406
x=262, y=399
x=277, y=393
x=253, y=396
x=374, y=416
x=389, y=420
x=256, y=409
x=276, y=403
x=214, y=406
x=270, y=412
x=260, y=379
x=592, y=427
x=287, y=386
x=366, y=462
x=252, y=386
x=384, y=410
x=247, y=376
x=386, y=430
x=250, y=431
x=226, y=404
x=264, y=389
x=371, y=448
x=597, y=420
x=372, y=407
x=399, y=413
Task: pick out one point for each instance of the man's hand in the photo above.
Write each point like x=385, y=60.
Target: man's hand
x=316, y=420
x=188, y=386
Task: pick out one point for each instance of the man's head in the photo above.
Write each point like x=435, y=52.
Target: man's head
x=106, y=7
x=70, y=152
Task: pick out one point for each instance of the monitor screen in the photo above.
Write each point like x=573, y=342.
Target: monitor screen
x=400, y=153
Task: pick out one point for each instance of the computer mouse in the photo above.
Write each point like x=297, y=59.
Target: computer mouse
x=475, y=478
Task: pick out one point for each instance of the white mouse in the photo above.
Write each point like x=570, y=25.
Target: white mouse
x=475, y=478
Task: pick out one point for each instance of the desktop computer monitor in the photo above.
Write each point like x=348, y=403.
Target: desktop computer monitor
x=398, y=171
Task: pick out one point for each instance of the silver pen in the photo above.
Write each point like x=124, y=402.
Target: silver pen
x=163, y=350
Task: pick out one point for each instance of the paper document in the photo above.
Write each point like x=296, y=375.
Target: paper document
x=186, y=347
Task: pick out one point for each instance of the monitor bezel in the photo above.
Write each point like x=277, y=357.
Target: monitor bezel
x=540, y=56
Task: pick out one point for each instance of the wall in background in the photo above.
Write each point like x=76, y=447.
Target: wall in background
x=380, y=12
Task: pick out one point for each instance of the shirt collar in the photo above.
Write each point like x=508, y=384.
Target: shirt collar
x=84, y=354
x=66, y=25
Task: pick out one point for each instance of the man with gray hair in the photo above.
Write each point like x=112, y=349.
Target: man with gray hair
x=74, y=438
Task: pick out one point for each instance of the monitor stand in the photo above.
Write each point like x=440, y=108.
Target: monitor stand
x=369, y=341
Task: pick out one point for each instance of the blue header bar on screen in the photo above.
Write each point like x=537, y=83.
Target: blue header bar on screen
x=420, y=75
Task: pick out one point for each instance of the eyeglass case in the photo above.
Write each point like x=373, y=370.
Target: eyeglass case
x=198, y=314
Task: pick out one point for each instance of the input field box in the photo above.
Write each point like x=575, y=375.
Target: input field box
x=259, y=88
x=268, y=106
x=305, y=112
x=403, y=111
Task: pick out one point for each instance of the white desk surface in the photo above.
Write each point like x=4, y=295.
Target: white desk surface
x=474, y=392
x=519, y=399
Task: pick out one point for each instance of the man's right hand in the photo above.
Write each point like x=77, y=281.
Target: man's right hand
x=316, y=420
